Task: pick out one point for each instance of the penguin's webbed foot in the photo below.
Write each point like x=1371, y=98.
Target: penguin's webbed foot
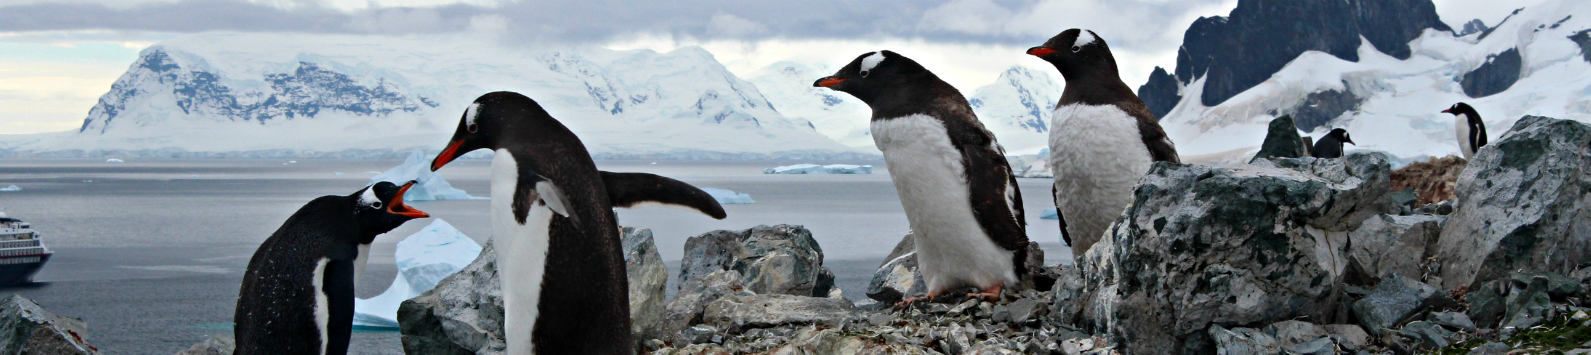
x=910, y=301
x=990, y=294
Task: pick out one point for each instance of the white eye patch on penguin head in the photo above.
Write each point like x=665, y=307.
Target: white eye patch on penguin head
x=870, y=62
x=1084, y=38
x=368, y=199
x=469, y=117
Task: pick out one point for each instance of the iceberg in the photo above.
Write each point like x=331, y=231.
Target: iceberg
x=1049, y=213
x=14, y=188
x=728, y=197
x=431, y=185
x=820, y=169
x=424, y=258
x=114, y=160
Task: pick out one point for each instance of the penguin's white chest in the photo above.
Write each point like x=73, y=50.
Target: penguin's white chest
x=1097, y=155
x=952, y=248
x=322, y=313
x=521, y=254
x=1462, y=130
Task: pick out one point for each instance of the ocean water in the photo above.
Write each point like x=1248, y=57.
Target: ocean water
x=150, y=252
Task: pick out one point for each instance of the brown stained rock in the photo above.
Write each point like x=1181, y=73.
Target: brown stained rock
x=1431, y=180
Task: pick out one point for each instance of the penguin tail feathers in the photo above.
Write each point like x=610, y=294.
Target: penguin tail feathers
x=636, y=189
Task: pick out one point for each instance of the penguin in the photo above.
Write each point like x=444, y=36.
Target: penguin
x=297, y=295
x=557, y=240
x=1469, y=128
x=1330, y=146
x=960, y=196
x=1102, y=138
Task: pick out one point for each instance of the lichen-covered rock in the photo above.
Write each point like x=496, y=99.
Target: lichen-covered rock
x=898, y=279
x=739, y=312
x=1282, y=141
x=462, y=315
x=1253, y=244
x=1291, y=332
x=1242, y=341
x=647, y=280
x=26, y=328
x=780, y=259
x=1390, y=244
x=693, y=296
x=1393, y=299
x=1524, y=204
x=214, y=345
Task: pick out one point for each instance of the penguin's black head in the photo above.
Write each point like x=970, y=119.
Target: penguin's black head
x=1341, y=135
x=485, y=121
x=1075, y=52
x=878, y=76
x=1461, y=109
x=379, y=208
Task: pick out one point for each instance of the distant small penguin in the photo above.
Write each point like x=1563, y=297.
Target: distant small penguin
x=1469, y=128
x=958, y=191
x=297, y=295
x=556, y=237
x=1102, y=138
x=1330, y=146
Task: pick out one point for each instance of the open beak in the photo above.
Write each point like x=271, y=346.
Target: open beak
x=397, y=207
x=447, y=156
x=827, y=82
x=1040, y=51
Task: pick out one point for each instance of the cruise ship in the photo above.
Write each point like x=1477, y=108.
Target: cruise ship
x=22, y=252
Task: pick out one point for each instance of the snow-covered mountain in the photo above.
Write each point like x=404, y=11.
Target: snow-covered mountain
x=239, y=93
x=1016, y=107
x=1536, y=62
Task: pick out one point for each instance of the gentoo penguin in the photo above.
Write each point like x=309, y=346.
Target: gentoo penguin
x=1330, y=146
x=1102, y=138
x=557, y=240
x=298, y=293
x=959, y=194
x=1470, y=129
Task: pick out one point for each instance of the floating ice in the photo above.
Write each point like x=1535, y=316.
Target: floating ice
x=1049, y=213
x=820, y=169
x=424, y=258
x=337, y=173
x=431, y=185
x=114, y=160
x=728, y=197
x=14, y=188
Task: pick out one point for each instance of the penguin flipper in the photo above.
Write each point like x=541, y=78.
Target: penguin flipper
x=543, y=191
x=1055, y=194
x=633, y=189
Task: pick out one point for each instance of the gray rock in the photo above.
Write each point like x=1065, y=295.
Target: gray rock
x=1441, y=208
x=647, y=279
x=1394, y=299
x=462, y=315
x=1242, y=341
x=1253, y=244
x=1455, y=320
x=830, y=341
x=1348, y=335
x=1487, y=304
x=1282, y=141
x=1529, y=306
x=1068, y=295
x=1558, y=286
x=780, y=259
x=696, y=334
x=898, y=279
x=1390, y=244
x=214, y=345
x=1521, y=201
x=1025, y=309
x=1291, y=332
x=1422, y=335
x=740, y=312
x=1493, y=348
x=29, y=329
x=688, y=304
x=1319, y=346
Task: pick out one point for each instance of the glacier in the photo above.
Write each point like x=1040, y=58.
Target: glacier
x=820, y=169
x=423, y=259
x=429, y=186
x=728, y=197
x=1400, y=101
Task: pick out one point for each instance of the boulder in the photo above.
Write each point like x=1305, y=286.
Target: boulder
x=1242, y=341
x=781, y=259
x=1421, y=336
x=1487, y=304
x=1348, y=335
x=647, y=280
x=215, y=345
x=1453, y=320
x=1394, y=299
x=1522, y=205
x=898, y=278
x=1390, y=244
x=693, y=296
x=1282, y=141
x=26, y=328
x=1252, y=244
x=1529, y=306
x=740, y=312
x=1432, y=180
x=1291, y=332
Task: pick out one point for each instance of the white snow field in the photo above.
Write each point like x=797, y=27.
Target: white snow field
x=727, y=197
x=1404, y=98
x=424, y=258
x=429, y=186
x=820, y=169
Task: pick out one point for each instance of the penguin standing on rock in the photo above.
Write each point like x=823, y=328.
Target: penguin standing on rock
x=1470, y=129
x=1102, y=137
x=298, y=293
x=954, y=182
x=557, y=240
x=1330, y=146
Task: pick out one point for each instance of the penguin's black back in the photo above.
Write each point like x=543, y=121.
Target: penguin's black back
x=276, y=303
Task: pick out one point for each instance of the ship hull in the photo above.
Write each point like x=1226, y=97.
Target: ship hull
x=17, y=270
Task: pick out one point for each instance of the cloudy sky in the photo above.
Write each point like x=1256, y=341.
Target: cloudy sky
x=57, y=57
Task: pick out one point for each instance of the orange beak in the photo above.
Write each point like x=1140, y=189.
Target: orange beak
x=829, y=81
x=1447, y=111
x=1040, y=51
x=447, y=156
x=397, y=207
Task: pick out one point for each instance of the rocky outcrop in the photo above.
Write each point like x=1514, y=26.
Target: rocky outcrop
x=215, y=345
x=647, y=279
x=1390, y=244
x=737, y=313
x=1498, y=73
x=1583, y=39
x=26, y=328
x=1161, y=93
x=1282, y=141
x=780, y=259
x=1431, y=180
x=1523, y=204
